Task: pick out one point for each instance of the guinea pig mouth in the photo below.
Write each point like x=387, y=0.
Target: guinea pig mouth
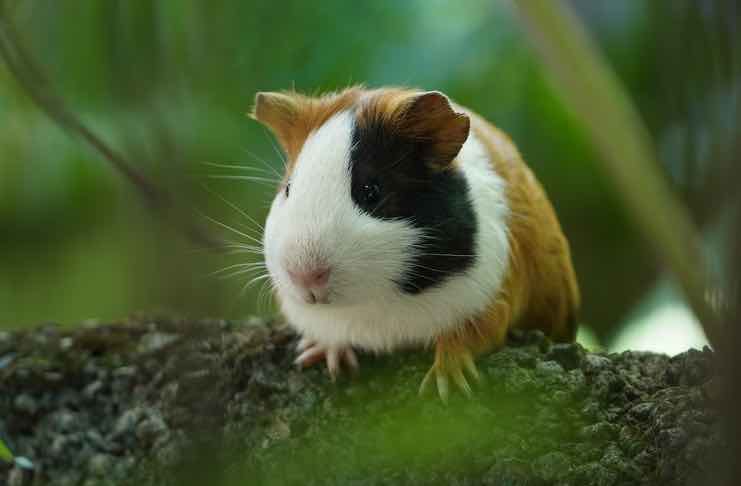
x=311, y=282
x=314, y=296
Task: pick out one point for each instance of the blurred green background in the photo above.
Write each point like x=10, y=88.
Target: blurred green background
x=168, y=84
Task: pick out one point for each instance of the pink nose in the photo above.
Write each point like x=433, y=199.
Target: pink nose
x=316, y=278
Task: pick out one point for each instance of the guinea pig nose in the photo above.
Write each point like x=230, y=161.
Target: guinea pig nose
x=310, y=279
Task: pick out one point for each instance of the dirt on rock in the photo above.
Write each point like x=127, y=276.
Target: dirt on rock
x=166, y=401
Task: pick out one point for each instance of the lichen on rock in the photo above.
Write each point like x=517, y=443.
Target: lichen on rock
x=151, y=401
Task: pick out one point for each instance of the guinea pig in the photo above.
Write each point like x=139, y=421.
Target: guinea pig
x=404, y=219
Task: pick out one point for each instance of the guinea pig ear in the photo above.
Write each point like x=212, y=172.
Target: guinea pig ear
x=430, y=119
x=279, y=112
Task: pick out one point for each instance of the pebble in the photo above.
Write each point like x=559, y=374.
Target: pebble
x=516, y=335
x=155, y=341
x=69, y=478
x=23, y=463
x=25, y=403
x=256, y=321
x=94, y=438
x=6, y=360
x=673, y=438
x=596, y=362
x=642, y=411
x=64, y=420
x=522, y=357
x=560, y=397
x=569, y=355
x=552, y=466
x=279, y=430
x=58, y=445
x=151, y=427
x=91, y=323
x=598, y=431
x=252, y=335
x=127, y=421
x=548, y=368
x=53, y=376
x=122, y=469
x=17, y=477
x=170, y=392
x=613, y=457
x=99, y=464
x=97, y=482
x=40, y=339
x=535, y=337
x=168, y=455
x=92, y=389
x=124, y=371
x=576, y=380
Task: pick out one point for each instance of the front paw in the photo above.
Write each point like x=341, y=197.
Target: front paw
x=450, y=365
x=311, y=352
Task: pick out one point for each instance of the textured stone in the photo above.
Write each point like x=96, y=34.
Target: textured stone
x=224, y=396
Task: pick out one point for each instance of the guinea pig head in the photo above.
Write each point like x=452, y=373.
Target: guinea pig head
x=371, y=206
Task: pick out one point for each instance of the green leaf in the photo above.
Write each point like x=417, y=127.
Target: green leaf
x=5, y=454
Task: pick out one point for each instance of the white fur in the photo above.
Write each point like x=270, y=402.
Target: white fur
x=367, y=310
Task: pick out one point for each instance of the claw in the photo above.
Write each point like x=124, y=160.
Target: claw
x=442, y=387
x=460, y=380
x=304, y=344
x=333, y=363
x=425, y=385
x=351, y=359
x=449, y=367
x=470, y=366
x=311, y=353
x=309, y=357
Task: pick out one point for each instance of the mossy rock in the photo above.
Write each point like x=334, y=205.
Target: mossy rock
x=153, y=401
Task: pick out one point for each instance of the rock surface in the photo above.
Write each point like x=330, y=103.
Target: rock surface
x=154, y=401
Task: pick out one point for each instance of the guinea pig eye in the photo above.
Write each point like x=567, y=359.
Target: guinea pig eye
x=371, y=193
x=287, y=190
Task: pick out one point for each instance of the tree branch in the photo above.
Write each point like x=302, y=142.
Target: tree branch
x=32, y=80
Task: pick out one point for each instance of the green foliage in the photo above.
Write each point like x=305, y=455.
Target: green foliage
x=628, y=155
x=168, y=83
x=5, y=454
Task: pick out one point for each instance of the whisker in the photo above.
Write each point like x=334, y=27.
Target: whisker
x=259, y=180
x=263, y=162
x=242, y=212
x=237, y=265
x=280, y=155
x=249, y=218
x=230, y=249
x=264, y=296
x=236, y=231
x=241, y=251
x=237, y=273
x=248, y=168
x=243, y=246
x=252, y=282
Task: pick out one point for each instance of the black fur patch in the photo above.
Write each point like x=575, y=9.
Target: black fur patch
x=392, y=179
